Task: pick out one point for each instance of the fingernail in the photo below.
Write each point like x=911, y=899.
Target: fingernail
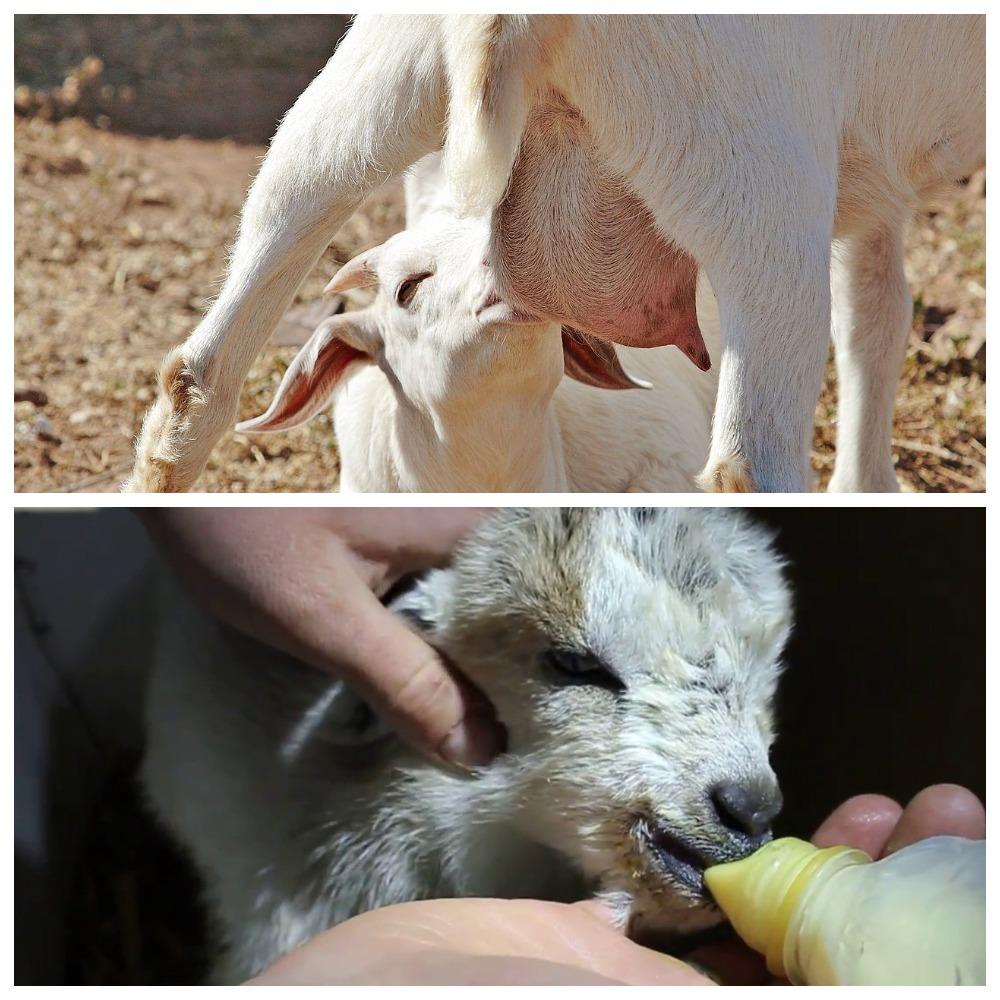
x=474, y=742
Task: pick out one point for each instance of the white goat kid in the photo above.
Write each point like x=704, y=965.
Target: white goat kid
x=467, y=398
x=633, y=656
x=752, y=143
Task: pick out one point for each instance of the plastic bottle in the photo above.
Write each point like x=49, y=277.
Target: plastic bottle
x=834, y=917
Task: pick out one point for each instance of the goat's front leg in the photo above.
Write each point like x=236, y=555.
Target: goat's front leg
x=775, y=323
x=872, y=313
x=376, y=107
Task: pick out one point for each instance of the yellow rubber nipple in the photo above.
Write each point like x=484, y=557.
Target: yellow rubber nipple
x=759, y=893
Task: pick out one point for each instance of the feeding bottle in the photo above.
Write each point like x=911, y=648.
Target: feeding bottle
x=827, y=917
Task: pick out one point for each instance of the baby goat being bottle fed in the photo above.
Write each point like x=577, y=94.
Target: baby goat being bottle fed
x=833, y=918
x=633, y=656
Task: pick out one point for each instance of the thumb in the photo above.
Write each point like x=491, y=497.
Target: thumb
x=408, y=682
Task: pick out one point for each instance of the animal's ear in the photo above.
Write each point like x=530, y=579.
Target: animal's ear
x=595, y=362
x=358, y=272
x=315, y=371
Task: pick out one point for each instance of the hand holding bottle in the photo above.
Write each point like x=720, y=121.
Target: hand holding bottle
x=832, y=917
x=508, y=942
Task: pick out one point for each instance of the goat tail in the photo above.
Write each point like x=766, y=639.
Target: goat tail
x=496, y=64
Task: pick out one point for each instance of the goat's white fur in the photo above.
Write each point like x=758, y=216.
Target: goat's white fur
x=755, y=142
x=459, y=404
x=299, y=812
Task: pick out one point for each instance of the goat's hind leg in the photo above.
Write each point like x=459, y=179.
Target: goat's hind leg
x=376, y=107
x=872, y=313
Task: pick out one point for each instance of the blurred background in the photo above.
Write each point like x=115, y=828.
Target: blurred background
x=205, y=75
x=884, y=692
x=135, y=140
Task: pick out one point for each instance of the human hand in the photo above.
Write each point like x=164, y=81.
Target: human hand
x=479, y=942
x=521, y=942
x=308, y=581
x=876, y=825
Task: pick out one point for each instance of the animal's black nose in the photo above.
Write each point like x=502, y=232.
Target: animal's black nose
x=748, y=808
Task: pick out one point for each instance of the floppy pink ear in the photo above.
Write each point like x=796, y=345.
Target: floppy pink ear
x=358, y=272
x=595, y=362
x=314, y=373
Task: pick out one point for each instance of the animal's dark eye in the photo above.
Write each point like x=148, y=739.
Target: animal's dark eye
x=408, y=288
x=571, y=666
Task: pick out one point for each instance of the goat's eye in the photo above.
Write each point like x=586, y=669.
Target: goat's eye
x=408, y=288
x=573, y=667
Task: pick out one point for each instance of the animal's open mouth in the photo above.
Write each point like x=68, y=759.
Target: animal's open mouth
x=679, y=858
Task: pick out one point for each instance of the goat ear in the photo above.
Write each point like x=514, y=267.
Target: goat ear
x=359, y=272
x=595, y=362
x=315, y=371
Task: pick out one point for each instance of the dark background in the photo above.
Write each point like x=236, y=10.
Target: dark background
x=884, y=692
x=885, y=687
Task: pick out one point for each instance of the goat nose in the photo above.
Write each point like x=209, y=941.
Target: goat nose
x=746, y=809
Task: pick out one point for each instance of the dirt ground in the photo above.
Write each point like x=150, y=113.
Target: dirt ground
x=120, y=242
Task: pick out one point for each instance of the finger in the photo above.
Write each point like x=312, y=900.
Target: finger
x=864, y=821
x=454, y=936
x=940, y=810
x=321, y=608
x=435, y=534
x=730, y=962
x=411, y=540
x=410, y=685
x=595, y=931
x=603, y=911
x=442, y=969
x=285, y=578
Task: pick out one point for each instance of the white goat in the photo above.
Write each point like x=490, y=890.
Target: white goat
x=765, y=148
x=465, y=401
x=633, y=656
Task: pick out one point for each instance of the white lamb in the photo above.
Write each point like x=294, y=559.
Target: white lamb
x=633, y=656
x=451, y=396
x=769, y=151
